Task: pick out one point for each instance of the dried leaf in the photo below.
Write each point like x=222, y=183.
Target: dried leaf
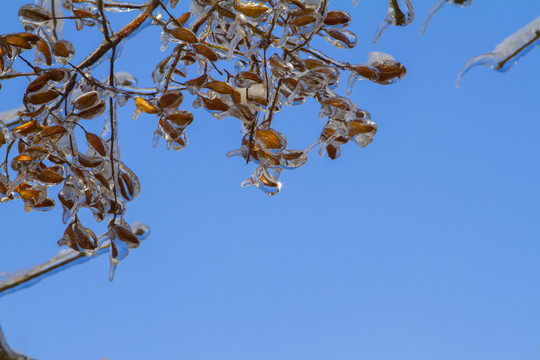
x=49, y=176
x=183, y=34
x=43, y=48
x=220, y=87
x=43, y=97
x=206, y=51
x=86, y=100
x=96, y=143
x=145, y=106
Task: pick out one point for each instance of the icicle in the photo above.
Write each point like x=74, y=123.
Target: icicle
x=435, y=9
x=395, y=16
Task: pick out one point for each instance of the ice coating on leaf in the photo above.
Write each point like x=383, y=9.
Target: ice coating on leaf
x=508, y=52
x=400, y=13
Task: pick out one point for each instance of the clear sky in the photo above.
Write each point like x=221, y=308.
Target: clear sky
x=422, y=246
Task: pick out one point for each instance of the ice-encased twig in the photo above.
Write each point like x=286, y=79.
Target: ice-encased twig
x=507, y=53
x=61, y=261
x=7, y=353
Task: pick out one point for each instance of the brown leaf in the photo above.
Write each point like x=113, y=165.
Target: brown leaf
x=170, y=99
x=29, y=194
x=181, y=118
x=206, y=51
x=93, y=111
x=145, y=106
x=184, y=18
x=251, y=10
x=43, y=97
x=49, y=176
x=183, y=34
x=337, y=17
x=16, y=40
x=215, y=104
x=220, y=87
x=26, y=128
x=96, y=143
x=86, y=100
x=38, y=83
x=357, y=127
x=268, y=138
x=126, y=236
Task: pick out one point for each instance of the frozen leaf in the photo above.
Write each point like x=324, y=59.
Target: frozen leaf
x=96, y=143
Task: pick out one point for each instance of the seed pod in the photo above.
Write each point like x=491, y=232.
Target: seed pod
x=183, y=34
x=34, y=14
x=58, y=74
x=313, y=63
x=345, y=38
x=31, y=38
x=145, y=106
x=89, y=161
x=38, y=83
x=197, y=82
x=17, y=41
x=251, y=10
x=181, y=118
x=172, y=99
x=337, y=18
x=25, y=128
x=86, y=100
x=43, y=97
x=96, y=142
x=338, y=102
x=367, y=72
x=389, y=71
x=53, y=132
x=84, y=14
x=125, y=235
x=49, y=176
x=29, y=194
x=247, y=78
x=45, y=205
x=63, y=50
x=184, y=18
x=43, y=48
x=269, y=139
x=333, y=151
x=357, y=127
x=206, y=51
x=93, y=111
x=21, y=162
x=215, y=104
x=2, y=139
x=220, y=87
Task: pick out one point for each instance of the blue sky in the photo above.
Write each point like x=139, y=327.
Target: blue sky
x=424, y=245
